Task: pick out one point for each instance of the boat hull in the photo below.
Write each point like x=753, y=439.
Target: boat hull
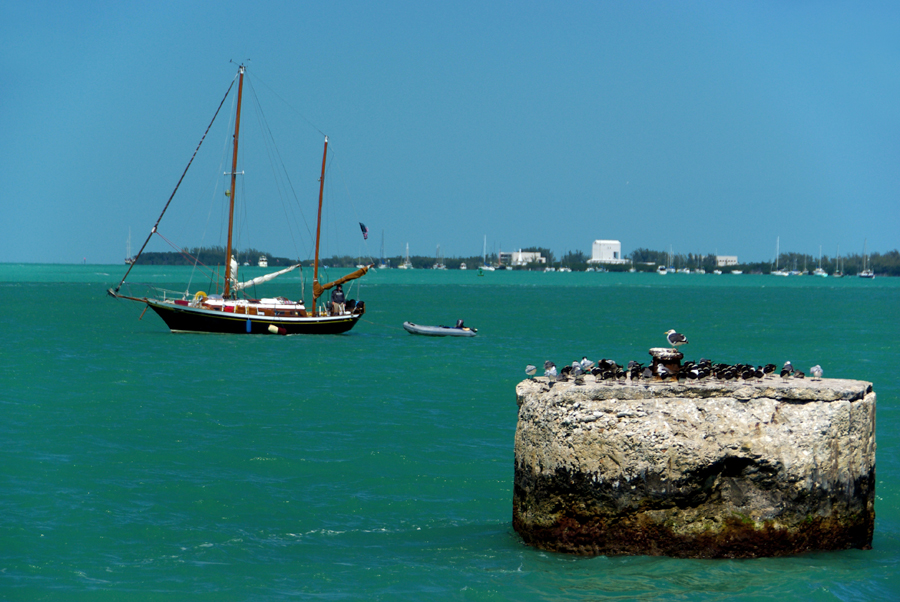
x=188, y=319
x=438, y=331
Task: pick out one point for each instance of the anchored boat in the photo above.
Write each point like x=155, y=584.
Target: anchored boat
x=440, y=331
x=231, y=311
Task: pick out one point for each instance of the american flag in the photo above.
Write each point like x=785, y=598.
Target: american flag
x=365, y=231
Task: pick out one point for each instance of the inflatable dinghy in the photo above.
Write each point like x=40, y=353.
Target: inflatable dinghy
x=439, y=331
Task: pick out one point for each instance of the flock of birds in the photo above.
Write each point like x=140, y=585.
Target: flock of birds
x=609, y=370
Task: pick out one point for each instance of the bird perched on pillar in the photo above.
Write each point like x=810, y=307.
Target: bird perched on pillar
x=663, y=372
x=787, y=370
x=676, y=339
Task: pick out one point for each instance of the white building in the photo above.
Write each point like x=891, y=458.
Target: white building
x=606, y=251
x=521, y=258
x=726, y=260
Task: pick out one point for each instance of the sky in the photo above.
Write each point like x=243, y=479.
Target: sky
x=700, y=127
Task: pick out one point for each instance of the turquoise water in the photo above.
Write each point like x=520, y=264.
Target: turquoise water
x=376, y=465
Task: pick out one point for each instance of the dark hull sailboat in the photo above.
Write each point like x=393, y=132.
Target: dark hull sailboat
x=181, y=318
x=229, y=313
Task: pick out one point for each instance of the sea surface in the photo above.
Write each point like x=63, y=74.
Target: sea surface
x=138, y=464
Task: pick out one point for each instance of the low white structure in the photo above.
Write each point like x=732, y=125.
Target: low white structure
x=726, y=260
x=521, y=258
x=606, y=251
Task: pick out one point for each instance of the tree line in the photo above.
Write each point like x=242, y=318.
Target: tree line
x=883, y=264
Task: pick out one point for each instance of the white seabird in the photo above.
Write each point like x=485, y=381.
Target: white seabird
x=816, y=371
x=676, y=339
x=530, y=370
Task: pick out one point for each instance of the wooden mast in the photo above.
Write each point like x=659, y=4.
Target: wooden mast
x=317, y=288
x=237, y=127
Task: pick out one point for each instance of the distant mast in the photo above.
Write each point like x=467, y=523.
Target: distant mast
x=237, y=126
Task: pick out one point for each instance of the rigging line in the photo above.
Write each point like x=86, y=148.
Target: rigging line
x=382, y=325
x=149, y=236
x=288, y=105
x=215, y=193
x=350, y=199
x=269, y=141
x=185, y=254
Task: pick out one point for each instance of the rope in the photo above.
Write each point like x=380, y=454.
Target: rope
x=382, y=325
x=289, y=105
x=153, y=230
x=336, y=165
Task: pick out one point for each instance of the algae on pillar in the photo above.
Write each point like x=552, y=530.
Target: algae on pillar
x=699, y=470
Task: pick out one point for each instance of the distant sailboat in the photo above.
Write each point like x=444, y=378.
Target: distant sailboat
x=866, y=271
x=485, y=265
x=382, y=265
x=129, y=259
x=819, y=271
x=776, y=271
x=439, y=260
x=406, y=265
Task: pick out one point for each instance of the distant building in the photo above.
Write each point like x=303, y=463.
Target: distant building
x=726, y=260
x=518, y=258
x=606, y=251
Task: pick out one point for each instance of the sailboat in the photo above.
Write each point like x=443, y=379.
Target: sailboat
x=406, y=265
x=382, y=265
x=819, y=271
x=439, y=260
x=866, y=271
x=129, y=259
x=485, y=266
x=233, y=312
x=776, y=271
x=839, y=271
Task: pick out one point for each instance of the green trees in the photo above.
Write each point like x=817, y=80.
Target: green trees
x=883, y=264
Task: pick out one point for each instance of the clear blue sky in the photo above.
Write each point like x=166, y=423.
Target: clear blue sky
x=701, y=126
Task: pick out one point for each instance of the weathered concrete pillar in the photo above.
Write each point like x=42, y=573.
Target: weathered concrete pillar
x=670, y=358
x=699, y=470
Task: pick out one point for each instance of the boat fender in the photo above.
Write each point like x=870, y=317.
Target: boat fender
x=249, y=326
x=277, y=329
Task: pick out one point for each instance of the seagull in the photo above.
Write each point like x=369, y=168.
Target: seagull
x=663, y=371
x=530, y=370
x=787, y=369
x=816, y=371
x=586, y=364
x=675, y=339
x=549, y=369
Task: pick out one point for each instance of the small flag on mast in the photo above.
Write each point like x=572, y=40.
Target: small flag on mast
x=365, y=231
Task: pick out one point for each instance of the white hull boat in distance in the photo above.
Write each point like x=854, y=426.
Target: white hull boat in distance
x=231, y=311
x=439, y=331
x=866, y=271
